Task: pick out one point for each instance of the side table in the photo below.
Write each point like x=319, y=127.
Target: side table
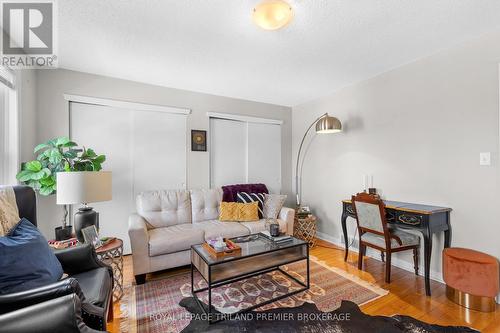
x=305, y=229
x=112, y=255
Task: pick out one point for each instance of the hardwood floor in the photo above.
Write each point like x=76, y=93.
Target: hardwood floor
x=406, y=297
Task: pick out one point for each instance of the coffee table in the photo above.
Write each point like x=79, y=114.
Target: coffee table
x=258, y=255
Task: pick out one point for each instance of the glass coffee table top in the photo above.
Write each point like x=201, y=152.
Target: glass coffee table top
x=251, y=245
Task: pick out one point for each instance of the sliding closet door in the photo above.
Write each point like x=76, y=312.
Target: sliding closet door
x=227, y=152
x=159, y=150
x=144, y=150
x=245, y=152
x=108, y=131
x=264, y=155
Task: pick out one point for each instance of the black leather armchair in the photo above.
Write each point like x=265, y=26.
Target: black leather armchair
x=89, y=279
x=61, y=314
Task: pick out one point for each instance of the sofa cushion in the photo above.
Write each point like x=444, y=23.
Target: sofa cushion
x=205, y=204
x=95, y=285
x=172, y=239
x=164, y=208
x=258, y=226
x=215, y=228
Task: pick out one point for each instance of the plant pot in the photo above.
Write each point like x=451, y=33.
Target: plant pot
x=63, y=233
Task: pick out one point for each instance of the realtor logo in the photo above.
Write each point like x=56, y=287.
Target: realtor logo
x=28, y=34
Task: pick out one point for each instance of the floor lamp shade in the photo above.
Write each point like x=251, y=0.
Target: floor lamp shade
x=83, y=187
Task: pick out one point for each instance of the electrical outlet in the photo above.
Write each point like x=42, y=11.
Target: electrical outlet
x=485, y=158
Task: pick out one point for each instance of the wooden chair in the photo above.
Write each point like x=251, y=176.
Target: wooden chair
x=374, y=232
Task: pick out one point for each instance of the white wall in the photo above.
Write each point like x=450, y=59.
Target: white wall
x=27, y=112
x=419, y=130
x=53, y=120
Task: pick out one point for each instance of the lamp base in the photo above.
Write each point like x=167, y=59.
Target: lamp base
x=85, y=217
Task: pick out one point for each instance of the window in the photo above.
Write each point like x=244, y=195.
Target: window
x=9, y=159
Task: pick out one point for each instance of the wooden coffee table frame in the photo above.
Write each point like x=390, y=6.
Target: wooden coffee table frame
x=247, y=274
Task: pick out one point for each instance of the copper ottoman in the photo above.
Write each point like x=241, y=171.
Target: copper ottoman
x=472, y=278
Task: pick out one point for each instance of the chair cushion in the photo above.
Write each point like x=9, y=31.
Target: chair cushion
x=95, y=285
x=26, y=261
x=164, y=208
x=173, y=239
x=215, y=228
x=256, y=227
x=205, y=204
x=406, y=238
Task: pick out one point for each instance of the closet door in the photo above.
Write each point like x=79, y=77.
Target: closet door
x=145, y=150
x=245, y=152
x=108, y=131
x=159, y=151
x=264, y=155
x=228, y=151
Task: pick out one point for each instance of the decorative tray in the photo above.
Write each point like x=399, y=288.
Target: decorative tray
x=230, y=250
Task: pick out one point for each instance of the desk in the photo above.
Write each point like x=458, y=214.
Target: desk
x=423, y=218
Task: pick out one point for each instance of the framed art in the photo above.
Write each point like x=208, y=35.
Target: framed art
x=198, y=140
x=90, y=236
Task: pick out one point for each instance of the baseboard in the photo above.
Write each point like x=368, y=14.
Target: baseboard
x=434, y=275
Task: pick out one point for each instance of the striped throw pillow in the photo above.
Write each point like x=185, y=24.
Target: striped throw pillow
x=252, y=197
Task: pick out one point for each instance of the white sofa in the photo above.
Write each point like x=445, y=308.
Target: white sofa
x=168, y=222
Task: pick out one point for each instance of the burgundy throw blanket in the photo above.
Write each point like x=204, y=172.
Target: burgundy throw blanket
x=229, y=192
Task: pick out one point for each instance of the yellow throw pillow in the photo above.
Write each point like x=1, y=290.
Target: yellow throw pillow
x=228, y=211
x=238, y=212
x=248, y=211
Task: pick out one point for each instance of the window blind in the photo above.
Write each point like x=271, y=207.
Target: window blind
x=7, y=76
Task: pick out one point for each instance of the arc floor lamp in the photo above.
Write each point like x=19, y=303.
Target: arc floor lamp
x=325, y=124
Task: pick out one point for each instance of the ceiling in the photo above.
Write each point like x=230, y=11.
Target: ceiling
x=212, y=46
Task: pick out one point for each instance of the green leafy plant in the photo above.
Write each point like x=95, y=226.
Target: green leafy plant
x=56, y=155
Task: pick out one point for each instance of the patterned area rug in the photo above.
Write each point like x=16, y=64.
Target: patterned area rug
x=154, y=306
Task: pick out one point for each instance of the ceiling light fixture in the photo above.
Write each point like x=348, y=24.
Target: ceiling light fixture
x=272, y=14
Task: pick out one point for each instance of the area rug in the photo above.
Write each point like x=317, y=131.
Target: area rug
x=154, y=306
x=347, y=318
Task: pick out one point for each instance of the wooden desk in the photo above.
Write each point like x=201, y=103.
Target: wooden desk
x=423, y=218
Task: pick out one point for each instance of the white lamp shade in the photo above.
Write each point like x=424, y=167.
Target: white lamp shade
x=83, y=187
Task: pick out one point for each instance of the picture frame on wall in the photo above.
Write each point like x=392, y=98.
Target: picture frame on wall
x=198, y=140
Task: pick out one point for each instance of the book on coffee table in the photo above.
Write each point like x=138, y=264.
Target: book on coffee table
x=279, y=239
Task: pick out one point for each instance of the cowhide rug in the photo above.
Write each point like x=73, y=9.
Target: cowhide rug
x=307, y=318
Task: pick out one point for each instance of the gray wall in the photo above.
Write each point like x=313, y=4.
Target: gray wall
x=53, y=119
x=418, y=130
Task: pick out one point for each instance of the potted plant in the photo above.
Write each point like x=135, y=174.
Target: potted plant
x=53, y=156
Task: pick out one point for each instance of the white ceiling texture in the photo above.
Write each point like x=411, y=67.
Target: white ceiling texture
x=212, y=46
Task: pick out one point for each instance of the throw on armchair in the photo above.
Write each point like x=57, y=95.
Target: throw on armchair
x=89, y=279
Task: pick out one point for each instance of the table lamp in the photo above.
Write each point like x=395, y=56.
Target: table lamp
x=83, y=187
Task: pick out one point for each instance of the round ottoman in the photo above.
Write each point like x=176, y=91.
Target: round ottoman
x=471, y=277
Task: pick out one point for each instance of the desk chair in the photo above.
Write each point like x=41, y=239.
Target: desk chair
x=376, y=233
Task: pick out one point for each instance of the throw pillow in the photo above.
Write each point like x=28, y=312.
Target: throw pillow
x=246, y=197
x=9, y=213
x=26, y=261
x=248, y=212
x=228, y=212
x=273, y=204
x=238, y=212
